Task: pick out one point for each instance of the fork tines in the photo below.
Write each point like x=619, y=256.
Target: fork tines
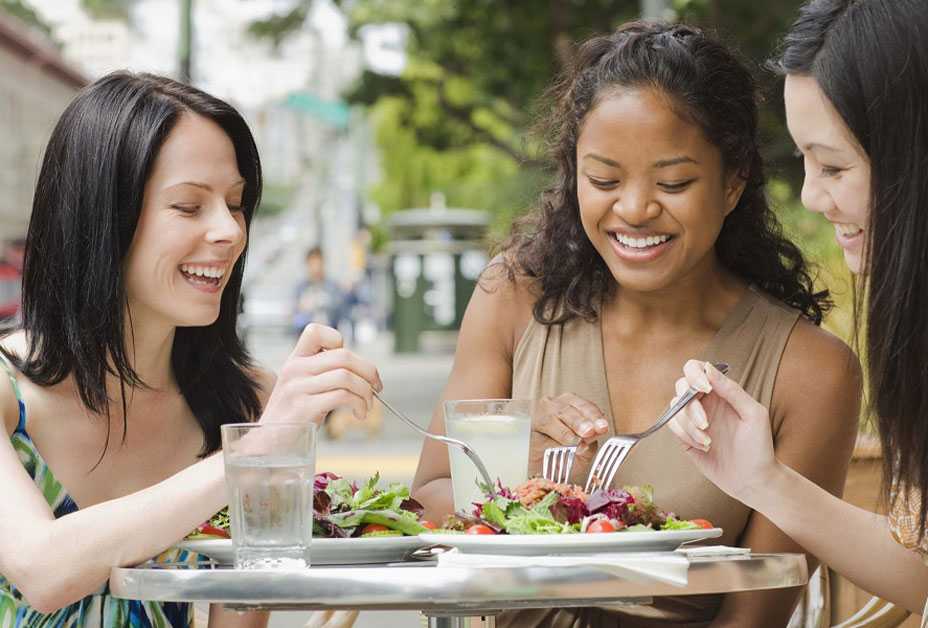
x=557, y=463
x=607, y=461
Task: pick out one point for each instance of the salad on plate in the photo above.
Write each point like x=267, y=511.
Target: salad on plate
x=541, y=506
x=344, y=509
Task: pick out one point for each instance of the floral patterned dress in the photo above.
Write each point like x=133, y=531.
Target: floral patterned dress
x=100, y=609
x=903, y=522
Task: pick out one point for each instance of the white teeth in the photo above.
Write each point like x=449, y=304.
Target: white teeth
x=847, y=229
x=213, y=272
x=640, y=243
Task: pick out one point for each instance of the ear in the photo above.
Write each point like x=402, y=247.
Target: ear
x=735, y=182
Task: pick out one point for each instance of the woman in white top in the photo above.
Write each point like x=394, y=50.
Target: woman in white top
x=857, y=107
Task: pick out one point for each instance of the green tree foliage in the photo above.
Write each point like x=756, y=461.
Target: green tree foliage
x=25, y=13
x=107, y=9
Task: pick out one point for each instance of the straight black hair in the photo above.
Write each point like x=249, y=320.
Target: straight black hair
x=871, y=60
x=85, y=211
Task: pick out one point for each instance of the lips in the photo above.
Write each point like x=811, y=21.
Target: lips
x=848, y=235
x=640, y=248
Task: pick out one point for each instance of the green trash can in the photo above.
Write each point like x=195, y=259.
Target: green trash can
x=437, y=255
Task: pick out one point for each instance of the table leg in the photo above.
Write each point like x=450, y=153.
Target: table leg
x=459, y=621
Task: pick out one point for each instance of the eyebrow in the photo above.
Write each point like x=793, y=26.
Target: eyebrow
x=814, y=145
x=682, y=159
x=663, y=163
x=205, y=186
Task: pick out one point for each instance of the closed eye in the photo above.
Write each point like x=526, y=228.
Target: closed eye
x=186, y=209
x=676, y=186
x=603, y=184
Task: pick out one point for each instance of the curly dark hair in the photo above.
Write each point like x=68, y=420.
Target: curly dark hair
x=711, y=87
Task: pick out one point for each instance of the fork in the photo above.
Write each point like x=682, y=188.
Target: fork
x=557, y=463
x=614, y=451
x=467, y=449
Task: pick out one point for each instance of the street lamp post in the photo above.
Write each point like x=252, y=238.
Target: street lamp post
x=185, y=43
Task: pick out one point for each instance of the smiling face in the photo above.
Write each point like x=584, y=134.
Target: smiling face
x=191, y=229
x=652, y=190
x=837, y=172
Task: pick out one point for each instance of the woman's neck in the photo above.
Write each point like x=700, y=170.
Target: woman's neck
x=701, y=299
x=148, y=349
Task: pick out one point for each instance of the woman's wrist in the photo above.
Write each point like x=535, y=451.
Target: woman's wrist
x=766, y=487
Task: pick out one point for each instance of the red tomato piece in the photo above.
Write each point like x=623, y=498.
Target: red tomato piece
x=213, y=531
x=702, y=523
x=479, y=528
x=425, y=523
x=601, y=525
x=373, y=527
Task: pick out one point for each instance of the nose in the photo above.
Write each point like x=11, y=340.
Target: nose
x=813, y=194
x=225, y=226
x=636, y=206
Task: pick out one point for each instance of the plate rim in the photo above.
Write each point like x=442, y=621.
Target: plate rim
x=561, y=540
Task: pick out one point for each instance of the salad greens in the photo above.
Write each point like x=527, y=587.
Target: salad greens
x=342, y=509
x=543, y=507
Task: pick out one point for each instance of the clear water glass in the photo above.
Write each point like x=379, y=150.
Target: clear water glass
x=269, y=477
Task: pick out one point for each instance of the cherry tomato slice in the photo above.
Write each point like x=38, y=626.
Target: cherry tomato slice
x=601, y=525
x=213, y=531
x=425, y=523
x=373, y=527
x=702, y=523
x=479, y=528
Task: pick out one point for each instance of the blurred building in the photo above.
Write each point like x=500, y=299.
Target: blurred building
x=35, y=86
x=97, y=47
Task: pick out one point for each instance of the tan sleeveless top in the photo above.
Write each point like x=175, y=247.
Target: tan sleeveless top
x=551, y=360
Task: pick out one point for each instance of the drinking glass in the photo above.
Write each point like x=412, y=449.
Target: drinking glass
x=499, y=431
x=269, y=476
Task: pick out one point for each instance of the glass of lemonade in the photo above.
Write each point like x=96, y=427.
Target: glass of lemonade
x=499, y=431
x=269, y=476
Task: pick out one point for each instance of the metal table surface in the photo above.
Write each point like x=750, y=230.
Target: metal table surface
x=450, y=596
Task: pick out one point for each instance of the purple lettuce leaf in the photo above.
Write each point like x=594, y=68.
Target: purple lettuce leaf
x=569, y=510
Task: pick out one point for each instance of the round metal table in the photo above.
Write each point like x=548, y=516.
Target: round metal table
x=449, y=596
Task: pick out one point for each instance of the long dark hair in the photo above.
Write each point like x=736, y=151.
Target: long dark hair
x=717, y=92
x=86, y=207
x=869, y=58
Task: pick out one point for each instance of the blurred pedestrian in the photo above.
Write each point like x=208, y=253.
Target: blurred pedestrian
x=316, y=298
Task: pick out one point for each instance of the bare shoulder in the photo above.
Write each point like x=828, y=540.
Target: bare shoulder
x=818, y=370
x=815, y=355
x=9, y=408
x=265, y=380
x=504, y=299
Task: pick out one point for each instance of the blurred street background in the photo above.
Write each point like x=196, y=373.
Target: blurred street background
x=394, y=136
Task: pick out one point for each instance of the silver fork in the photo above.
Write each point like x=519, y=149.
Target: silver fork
x=467, y=449
x=613, y=452
x=557, y=463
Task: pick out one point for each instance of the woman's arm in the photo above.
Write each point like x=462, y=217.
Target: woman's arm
x=482, y=370
x=817, y=398
x=55, y=562
x=742, y=462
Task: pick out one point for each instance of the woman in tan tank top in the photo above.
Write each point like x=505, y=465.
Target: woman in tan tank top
x=655, y=242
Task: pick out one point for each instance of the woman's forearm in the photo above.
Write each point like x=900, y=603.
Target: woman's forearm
x=854, y=542
x=124, y=531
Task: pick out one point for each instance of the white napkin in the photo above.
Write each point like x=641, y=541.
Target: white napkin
x=665, y=567
x=704, y=551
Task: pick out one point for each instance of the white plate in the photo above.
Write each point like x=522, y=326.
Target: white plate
x=388, y=549
x=535, y=544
